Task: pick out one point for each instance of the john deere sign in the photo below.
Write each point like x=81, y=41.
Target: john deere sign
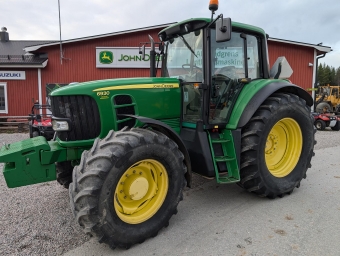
x=121, y=57
x=106, y=57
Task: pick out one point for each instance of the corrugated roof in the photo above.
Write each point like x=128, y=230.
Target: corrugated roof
x=36, y=47
x=21, y=59
x=12, y=54
x=320, y=48
x=16, y=47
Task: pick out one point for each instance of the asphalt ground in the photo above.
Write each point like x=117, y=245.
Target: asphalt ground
x=226, y=220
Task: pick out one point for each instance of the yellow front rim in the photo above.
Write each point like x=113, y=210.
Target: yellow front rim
x=141, y=191
x=283, y=147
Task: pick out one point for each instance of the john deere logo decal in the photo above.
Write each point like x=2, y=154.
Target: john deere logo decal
x=106, y=57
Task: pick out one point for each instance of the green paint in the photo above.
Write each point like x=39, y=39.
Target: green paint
x=23, y=164
x=229, y=157
x=248, y=92
x=32, y=161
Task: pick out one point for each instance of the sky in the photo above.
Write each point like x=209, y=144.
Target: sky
x=307, y=21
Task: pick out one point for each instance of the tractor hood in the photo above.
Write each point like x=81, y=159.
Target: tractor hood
x=93, y=87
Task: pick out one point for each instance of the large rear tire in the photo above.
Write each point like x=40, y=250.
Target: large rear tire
x=277, y=146
x=128, y=186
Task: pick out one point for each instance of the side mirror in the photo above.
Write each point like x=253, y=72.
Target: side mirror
x=223, y=30
x=38, y=117
x=142, y=51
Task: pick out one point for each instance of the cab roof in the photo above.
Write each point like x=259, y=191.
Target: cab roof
x=199, y=23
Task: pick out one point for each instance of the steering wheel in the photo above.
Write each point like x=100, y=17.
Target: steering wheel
x=220, y=77
x=191, y=66
x=227, y=71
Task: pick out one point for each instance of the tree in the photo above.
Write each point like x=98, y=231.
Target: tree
x=328, y=75
x=337, y=76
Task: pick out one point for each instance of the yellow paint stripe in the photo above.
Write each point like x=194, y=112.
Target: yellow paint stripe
x=139, y=86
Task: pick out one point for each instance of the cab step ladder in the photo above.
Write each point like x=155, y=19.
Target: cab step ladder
x=229, y=157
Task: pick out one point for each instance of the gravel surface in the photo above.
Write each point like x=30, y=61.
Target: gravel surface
x=36, y=219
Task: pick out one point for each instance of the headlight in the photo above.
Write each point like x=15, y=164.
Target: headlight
x=60, y=125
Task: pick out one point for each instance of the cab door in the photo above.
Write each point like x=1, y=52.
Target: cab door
x=233, y=64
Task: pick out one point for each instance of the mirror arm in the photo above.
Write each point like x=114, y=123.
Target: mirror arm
x=219, y=16
x=222, y=28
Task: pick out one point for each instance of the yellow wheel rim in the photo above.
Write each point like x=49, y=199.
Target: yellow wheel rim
x=283, y=147
x=141, y=191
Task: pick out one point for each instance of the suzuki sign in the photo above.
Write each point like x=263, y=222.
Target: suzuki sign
x=12, y=75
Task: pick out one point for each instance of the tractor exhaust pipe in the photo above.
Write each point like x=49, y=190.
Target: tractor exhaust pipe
x=152, y=58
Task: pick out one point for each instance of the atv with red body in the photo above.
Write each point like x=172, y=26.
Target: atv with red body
x=321, y=121
x=40, y=125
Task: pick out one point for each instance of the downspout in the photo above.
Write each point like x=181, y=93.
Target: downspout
x=39, y=89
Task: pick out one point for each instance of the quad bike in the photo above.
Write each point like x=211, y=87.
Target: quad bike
x=321, y=121
x=40, y=125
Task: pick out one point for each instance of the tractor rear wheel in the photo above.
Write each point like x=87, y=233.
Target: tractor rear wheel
x=320, y=124
x=128, y=186
x=64, y=173
x=277, y=146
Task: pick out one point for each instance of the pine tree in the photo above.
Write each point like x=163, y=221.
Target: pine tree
x=337, y=76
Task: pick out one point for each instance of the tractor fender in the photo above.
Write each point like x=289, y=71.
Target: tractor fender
x=168, y=131
x=261, y=95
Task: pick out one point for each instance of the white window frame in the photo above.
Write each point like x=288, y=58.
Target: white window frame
x=6, y=101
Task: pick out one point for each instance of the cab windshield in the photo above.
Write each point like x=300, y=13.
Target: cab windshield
x=183, y=59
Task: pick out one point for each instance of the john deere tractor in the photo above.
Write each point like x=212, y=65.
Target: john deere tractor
x=126, y=148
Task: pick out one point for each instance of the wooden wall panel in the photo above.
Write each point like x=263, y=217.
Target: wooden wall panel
x=79, y=64
x=298, y=58
x=20, y=93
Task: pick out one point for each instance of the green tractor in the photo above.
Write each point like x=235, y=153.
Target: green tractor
x=126, y=148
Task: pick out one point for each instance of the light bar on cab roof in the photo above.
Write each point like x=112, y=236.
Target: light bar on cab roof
x=213, y=5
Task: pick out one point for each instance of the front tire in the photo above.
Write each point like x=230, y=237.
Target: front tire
x=320, y=124
x=336, y=127
x=323, y=107
x=128, y=186
x=277, y=146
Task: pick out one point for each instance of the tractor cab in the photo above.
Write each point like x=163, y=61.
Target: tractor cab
x=213, y=60
x=212, y=70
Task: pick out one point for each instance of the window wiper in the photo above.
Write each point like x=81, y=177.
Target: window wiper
x=187, y=45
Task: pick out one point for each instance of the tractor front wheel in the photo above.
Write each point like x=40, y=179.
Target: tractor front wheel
x=128, y=186
x=277, y=146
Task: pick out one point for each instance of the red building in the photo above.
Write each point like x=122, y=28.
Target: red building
x=24, y=77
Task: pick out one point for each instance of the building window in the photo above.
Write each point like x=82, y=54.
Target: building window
x=3, y=98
